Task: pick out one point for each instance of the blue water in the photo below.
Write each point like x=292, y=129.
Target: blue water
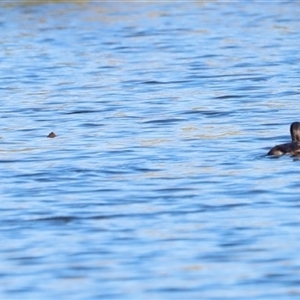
x=157, y=185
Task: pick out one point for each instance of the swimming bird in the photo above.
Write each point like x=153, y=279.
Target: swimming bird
x=292, y=148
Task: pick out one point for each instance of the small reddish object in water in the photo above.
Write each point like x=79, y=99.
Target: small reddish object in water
x=51, y=135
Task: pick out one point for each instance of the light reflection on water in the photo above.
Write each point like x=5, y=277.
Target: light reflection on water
x=157, y=185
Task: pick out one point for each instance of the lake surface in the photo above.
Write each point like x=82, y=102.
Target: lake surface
x=157, y=185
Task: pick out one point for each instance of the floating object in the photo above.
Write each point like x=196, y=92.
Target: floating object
x=51, y=135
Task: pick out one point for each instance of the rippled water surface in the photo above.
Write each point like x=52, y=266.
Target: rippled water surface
x=157, y=185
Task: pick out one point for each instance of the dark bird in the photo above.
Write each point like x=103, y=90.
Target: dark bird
x=292, y=148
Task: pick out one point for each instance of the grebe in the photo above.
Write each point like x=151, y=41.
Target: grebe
x=292, y=148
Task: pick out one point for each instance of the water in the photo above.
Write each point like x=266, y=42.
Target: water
x=157, y=185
